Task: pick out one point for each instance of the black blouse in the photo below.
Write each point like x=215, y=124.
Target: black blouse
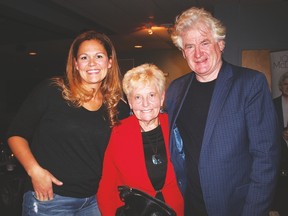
x=156, y=158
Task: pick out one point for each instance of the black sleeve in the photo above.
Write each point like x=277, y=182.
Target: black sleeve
x=30, y=113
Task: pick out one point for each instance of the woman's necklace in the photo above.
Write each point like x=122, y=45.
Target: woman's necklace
x=153, y=141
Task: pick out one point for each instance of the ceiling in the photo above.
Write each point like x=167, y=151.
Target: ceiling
x=125, y=21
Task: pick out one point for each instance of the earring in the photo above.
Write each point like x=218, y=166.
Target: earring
x=131, y=112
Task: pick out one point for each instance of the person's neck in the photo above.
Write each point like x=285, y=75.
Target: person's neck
x=95, y=102
x=148, y=126
x=211, y=76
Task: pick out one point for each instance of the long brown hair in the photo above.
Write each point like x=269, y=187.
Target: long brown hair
x=72, y=88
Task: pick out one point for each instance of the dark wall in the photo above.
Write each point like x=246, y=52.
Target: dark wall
x=248, y=27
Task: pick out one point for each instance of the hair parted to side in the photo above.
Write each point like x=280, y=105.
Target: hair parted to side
x=192, y=17
x=282, y=79
x=72, y=88
x=145, y=74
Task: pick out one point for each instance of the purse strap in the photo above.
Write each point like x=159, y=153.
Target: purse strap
x=128, y=193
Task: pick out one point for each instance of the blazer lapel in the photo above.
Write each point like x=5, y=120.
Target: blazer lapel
x=180, y=97
x=222, y=86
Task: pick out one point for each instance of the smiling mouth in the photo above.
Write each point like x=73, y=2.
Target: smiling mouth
x=201, y=61
x=146, y=111
x=93, y=71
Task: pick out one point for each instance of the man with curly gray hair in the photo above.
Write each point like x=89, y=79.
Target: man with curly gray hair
x=224, y=136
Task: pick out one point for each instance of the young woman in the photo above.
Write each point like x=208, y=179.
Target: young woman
x=61, y=132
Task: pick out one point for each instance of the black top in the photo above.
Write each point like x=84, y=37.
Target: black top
x=154, y=150
x=284, y=150
x=67, y=141
x=191, y=124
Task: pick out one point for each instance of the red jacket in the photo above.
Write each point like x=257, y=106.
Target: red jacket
x=124, y=164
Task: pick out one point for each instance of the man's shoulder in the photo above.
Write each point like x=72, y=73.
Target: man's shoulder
x=241, y=69
x=184, y=77
x=182, y=80
x=244, y=74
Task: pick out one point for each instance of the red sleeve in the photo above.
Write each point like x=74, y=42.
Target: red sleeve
x=108, y=195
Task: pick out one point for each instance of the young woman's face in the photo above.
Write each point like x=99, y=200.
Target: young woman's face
x=92, y=62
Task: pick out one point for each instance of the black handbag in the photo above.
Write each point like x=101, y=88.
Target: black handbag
x=139, y=203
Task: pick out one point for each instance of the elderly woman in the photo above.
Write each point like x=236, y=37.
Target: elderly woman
x=138, y=154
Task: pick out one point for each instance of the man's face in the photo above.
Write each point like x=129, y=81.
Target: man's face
x=202, y=52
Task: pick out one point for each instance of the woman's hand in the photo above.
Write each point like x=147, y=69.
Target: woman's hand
x=42, y=181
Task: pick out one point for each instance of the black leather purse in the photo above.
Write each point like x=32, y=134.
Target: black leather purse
x=139, y=203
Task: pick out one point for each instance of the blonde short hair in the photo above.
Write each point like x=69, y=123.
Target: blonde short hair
x=143, y=75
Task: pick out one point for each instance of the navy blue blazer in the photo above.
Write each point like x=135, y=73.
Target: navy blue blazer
x=240, y=151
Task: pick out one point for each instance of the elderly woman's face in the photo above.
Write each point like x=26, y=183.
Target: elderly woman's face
x=284, y=88
x=145, y=101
